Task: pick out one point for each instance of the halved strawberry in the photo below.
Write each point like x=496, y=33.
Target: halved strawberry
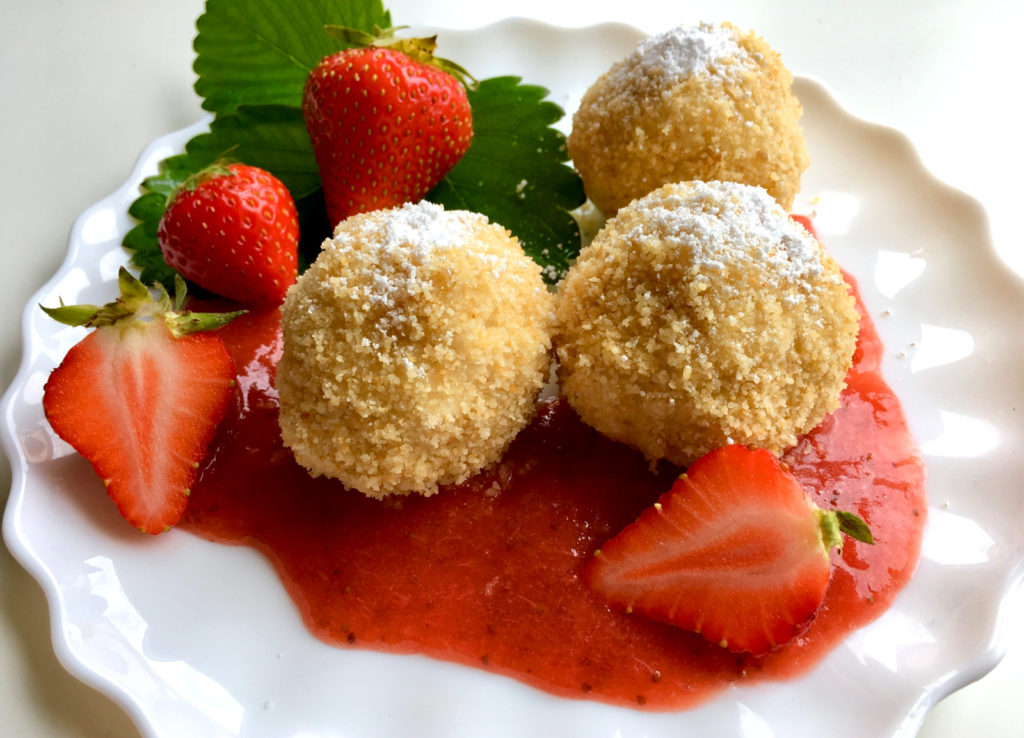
x=140, y=398
x=735, y=551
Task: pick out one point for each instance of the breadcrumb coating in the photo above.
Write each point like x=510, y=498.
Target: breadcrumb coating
x=694, y=103
x=414, y=349
x=703, y=315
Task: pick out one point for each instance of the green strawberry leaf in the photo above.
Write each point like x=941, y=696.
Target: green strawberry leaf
x=514, y=172
x=146, y=256
x=252, y=63
x=259, y=52
x=172, y=172
x=272, y=137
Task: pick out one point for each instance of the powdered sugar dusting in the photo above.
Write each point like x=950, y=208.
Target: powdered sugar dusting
x=727, y=224
x=407, y=243
x=672, y=56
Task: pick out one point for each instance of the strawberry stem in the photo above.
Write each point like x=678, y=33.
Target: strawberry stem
x=834, y=523
x=420, y=49
x=359, y=37
x=136, y=303
x=218, y=168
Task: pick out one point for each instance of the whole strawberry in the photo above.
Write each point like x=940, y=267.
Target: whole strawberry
x=234, y=231
x=141, y=396
x=388, y=121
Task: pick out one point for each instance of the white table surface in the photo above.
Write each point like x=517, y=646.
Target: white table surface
x=85, y=85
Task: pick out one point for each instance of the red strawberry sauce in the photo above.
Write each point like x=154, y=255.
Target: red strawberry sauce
x=488, y=573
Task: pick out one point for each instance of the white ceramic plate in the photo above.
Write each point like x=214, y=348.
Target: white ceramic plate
x=196, y=639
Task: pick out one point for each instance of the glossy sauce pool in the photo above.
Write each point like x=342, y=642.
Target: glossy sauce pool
x=488, y=573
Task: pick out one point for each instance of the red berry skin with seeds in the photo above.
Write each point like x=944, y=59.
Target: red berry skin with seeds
x=235, y=234
x=385, y=128
x=732, y=551
x=142, y=406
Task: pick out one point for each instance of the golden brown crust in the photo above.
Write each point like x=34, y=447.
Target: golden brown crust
x=703, y=315
x=653, y=119
x=414, y=349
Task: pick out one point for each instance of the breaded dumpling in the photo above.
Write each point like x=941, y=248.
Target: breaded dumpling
x=703, y=102
x=703, y=315
x=414, y=350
